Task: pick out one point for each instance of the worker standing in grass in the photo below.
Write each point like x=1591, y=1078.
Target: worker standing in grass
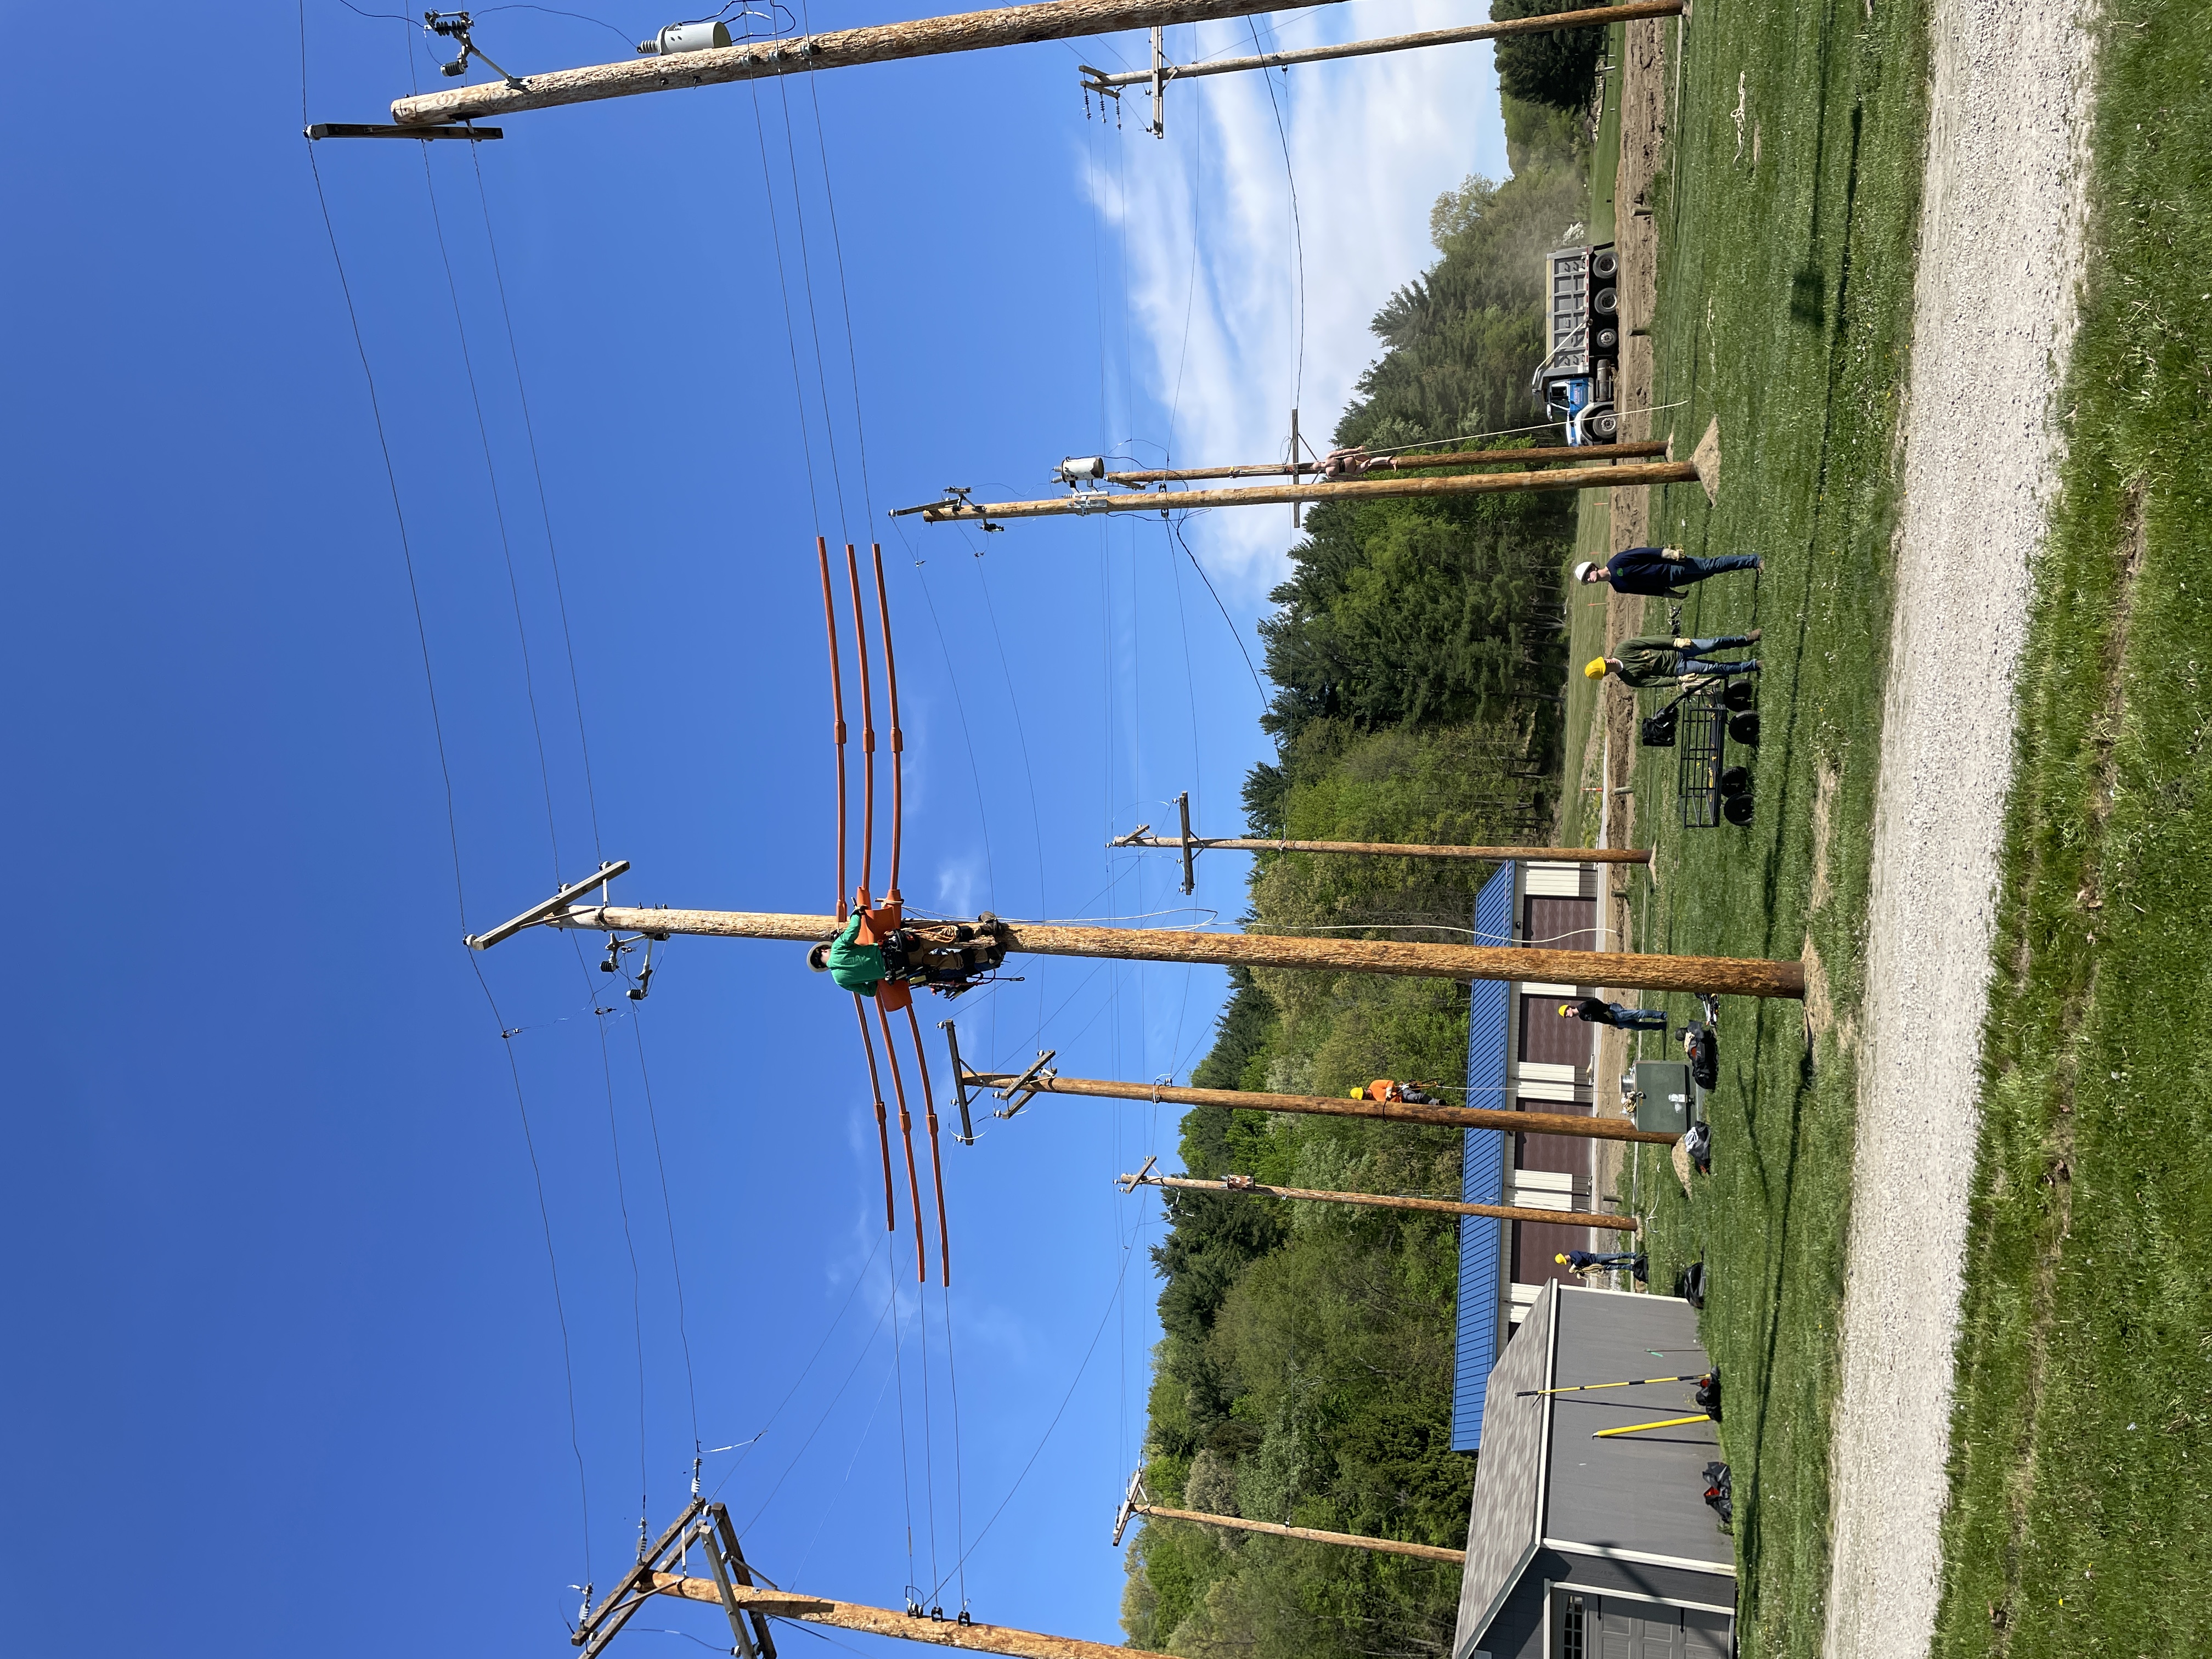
x=1614, y=1014
x=1584, y=1261
x=1656, y=659
x=1657, y=571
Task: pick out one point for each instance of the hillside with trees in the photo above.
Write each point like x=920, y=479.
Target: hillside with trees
x=1304, y=1374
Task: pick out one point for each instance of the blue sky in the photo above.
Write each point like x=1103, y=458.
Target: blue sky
x=278, y=1277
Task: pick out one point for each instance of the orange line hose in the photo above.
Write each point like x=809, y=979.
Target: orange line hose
x=898, y=738
x=883, y=1126
x=936, y=1158
x=906, y=1128
x=837, y=710
x=868, y=731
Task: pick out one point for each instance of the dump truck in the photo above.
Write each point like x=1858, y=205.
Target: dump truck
x=1574, y=383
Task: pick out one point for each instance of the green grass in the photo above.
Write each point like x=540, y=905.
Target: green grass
x=1784, y=310
x=2081, y=1513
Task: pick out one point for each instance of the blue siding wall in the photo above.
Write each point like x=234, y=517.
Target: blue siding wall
x=1482, y=1173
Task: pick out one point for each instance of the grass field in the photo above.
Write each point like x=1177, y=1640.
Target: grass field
x=2080, y=1490
x=2082, y=1518
x=1784, y=310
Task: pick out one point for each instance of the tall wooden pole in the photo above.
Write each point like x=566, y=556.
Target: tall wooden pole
x=1391, y=1111
x=1310, y=1534
x=1356, y=490
x=1099, y=81
x=1718, y=975
x=882, y=1621
x=1400, y=849
x=928, y=37
x=1619, y=1223
x=1585, y=453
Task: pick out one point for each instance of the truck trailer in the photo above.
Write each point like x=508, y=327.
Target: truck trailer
x=1574, y=383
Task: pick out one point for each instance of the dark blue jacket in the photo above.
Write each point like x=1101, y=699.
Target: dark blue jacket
x=1643, y=570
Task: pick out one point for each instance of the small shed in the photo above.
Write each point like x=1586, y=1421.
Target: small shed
x=1580, y=1548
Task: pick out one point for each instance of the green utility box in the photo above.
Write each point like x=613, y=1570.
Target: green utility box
x=1664, y=1095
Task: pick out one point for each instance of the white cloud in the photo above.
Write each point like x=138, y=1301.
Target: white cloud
x=1372, y=143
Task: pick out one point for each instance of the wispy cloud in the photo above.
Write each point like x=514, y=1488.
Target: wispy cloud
x=1211, y=257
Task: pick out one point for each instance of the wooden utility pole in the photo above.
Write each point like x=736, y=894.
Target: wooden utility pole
x=928, y=37
x=1311, y=1535
x=1042, y=1081
x=884, y=1622
x=1717, y=976
x=1189, y=845
x=1585, y=453
x=1110, y=86
x=955, y=509
x=1251, y=1188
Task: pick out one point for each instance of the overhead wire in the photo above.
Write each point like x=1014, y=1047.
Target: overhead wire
x=544, y=508
x=622, y=1196
x=444, y=771
x=1297, y=232
x=499, y=512
x=1073, y=1383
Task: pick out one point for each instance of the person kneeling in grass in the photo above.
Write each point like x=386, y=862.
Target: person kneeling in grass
x=1658, y=660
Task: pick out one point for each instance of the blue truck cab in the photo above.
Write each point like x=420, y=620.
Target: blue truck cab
x=1574, y=384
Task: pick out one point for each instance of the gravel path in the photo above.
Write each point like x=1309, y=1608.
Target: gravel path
x=2001, y=251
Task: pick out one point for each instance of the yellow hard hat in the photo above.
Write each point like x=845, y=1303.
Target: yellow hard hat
x=1359, y=1094
x=1561, y=1259
x=1595, y=669
x=1567, y=1010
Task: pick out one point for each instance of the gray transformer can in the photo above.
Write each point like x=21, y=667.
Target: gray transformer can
x=686, y=37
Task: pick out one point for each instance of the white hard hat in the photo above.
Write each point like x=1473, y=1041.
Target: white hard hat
x=1582, y=570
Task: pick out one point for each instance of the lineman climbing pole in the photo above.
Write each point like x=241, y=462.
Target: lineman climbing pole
x=1718, y=976
x=1190, y=846
x=1247, y=1187
x=928, y=37
x=1137, y=1503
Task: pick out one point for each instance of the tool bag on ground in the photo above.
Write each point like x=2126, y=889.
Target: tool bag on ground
x=1720, y=1493
x=1709, y=1394
x=1703, y=1045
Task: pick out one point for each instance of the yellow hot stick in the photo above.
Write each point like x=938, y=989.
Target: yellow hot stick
x=1663, y=1423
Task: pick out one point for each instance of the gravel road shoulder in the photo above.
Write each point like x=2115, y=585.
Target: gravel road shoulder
x=2001, y=253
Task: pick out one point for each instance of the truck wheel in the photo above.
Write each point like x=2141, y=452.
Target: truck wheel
x=1737, y=809
x=1606, y=341
x=1744, y=727
x=1734, y=781
x=1605, y=301
x=1601, y=425
x=1605, y=265
x=1740, y=695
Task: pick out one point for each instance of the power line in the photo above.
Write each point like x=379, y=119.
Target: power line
x=545, y=512
x=1297, y=232
x=1049, y=1427
x=446, y=774
x=499, y=513
x=668, y=1210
